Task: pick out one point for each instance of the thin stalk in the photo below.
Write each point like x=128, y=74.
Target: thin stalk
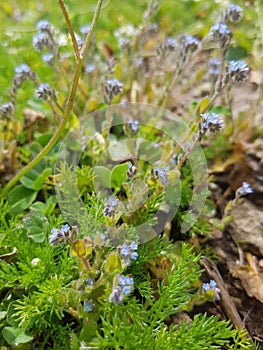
x=68, y=109
x=70, y=29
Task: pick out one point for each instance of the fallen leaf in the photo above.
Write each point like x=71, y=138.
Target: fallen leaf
x=251, y=280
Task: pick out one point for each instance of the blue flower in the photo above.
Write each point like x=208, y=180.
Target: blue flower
x=128, y=252
x=190, y=43
x=124, y=251
x=59, y=236
x=90, y=68
x=48, y=58
x=116, y=296
x=220, y=32
x=43, y=25
x=39, y=41
x=134, y=256
x=161, y=174
x=113, y=87
x=211, y=287
x=89, y=281
x=65, y=228
x=244, y=190
x=211, y=122
x=126, y=290
x=22, y=69
x=234, y=13
x=134, y=126
x=131, y=171
x=125, y=280
x=125, y=284
x=238, y=71
x=110, y=206
x=133, y=246
x=85, y=29
x=88, y=305
x=45, y=92
x=56, y=237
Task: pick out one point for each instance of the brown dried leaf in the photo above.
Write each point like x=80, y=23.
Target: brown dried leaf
x=251, y=280
x=31, y=117
x=221, y=165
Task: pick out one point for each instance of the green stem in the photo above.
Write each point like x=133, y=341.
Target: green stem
x=70, y=29
x=68, y=108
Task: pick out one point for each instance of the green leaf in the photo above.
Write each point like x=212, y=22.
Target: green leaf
x=44, y=139
x=2, y=314
x=29, y=179
x=20, y=198
x=12, y=321
x=88, y=331
x=35, y=224
x=45, y=208
x=38, y=183
x=202, y=105
x=102, y=176
x=78, y=249
x=74, y=342
x=15, y=335
x=118, y=175
x=113, y=263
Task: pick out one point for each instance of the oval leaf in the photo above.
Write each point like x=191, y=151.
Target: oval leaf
x=78, y=249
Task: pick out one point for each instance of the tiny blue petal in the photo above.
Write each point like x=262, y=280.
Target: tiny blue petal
x=134, y=256
x=126, y=290
x=133, y=246
x=22, y=68
x=65, y=228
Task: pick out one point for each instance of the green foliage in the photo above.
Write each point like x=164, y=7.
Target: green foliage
x=57, y=283
x=15, y=335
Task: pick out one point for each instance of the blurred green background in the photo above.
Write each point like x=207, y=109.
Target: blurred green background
x=18, y=20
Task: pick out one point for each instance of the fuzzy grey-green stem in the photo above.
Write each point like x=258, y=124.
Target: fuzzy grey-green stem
x=70, y=29
x=68, y=109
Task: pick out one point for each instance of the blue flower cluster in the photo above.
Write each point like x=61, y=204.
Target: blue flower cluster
x=112, y=88
x=45, y=92
x=211, y=287
x=161, y=174
x=123, y=288
x=59, y=236
x=234, y=13
x=110, y=207
x=211, y=122
x=220, y=33
x=190, y=43
x=45, y=38
x=129, y=252
x=238, y=71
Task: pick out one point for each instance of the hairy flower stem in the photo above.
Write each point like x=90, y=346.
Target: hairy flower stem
x=169, y=89
x=70, y=29
x=70, y=100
